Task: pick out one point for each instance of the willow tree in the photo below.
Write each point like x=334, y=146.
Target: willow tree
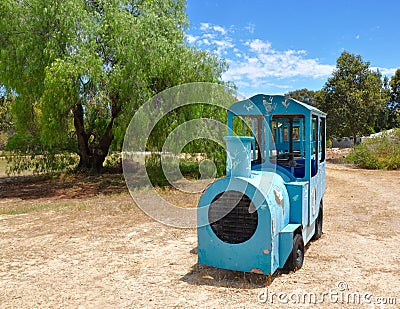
x=80, y=69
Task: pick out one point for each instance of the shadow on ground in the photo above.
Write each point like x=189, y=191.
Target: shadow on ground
x=207, y=275
x=76, y=186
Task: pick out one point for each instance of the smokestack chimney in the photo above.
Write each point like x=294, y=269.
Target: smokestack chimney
x=238, y=156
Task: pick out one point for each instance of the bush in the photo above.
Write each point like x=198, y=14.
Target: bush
x=113, y=163
x=190, y=168
x=25, y=152
x=382, y=152
x=45, y=163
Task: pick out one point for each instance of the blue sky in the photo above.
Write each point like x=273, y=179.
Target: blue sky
x=278, y=46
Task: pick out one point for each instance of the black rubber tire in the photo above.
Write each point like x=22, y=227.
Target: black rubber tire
x=318, y=225
x=296, y=257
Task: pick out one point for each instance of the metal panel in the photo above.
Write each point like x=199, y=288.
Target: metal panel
x=286, y=242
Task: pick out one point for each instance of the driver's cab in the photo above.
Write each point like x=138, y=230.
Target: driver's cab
x=289, y=136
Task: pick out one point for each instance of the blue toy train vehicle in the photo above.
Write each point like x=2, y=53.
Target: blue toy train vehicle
x=270, y=204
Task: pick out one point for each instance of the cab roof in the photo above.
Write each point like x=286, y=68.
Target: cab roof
x=263, y=104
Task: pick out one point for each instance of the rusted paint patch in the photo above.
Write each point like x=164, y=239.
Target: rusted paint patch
x=279, y=198
x=257, y=271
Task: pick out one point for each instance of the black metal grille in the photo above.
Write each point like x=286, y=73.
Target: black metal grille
x=233, y=217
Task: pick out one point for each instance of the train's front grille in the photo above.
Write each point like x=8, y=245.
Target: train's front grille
x=233, y=217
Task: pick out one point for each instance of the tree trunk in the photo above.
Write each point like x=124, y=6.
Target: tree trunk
x=92, y=157
x=82, y=137
x=355, y=138
x=100, y=151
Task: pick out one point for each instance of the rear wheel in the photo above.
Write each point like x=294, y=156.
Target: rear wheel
x=318, y=224
x=296, y=257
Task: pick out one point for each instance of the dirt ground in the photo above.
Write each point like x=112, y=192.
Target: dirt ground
x=84, y=244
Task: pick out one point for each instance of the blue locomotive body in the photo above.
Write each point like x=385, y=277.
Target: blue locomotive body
x=270, y=204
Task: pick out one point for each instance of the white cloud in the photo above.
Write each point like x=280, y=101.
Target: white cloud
x=250, y=27
x=206, y=42
x=255, y=62
x=204, y=26
x=191, y=38
x=223, y=44
x=385, y=71
x=258, y=46
x=261, y=61
x=208, y=35
x=214, y=38
x=213, y=28
x=219, y=29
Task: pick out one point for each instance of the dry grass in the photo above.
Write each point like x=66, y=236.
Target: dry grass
x=81, y=241
x=3, y=166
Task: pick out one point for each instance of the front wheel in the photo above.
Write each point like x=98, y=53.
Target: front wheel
x=296, y=257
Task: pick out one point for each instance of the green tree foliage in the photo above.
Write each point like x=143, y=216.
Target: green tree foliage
x=303, y=95
x=353, y=97
x=395, y=87
x=81, y=69
x=384, y=120
x=393, y=105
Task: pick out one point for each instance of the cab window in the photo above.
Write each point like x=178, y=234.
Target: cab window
x=252, y=125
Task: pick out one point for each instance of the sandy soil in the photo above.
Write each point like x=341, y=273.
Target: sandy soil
x=86, y=245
